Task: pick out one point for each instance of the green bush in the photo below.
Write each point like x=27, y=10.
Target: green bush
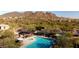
x=8, y=40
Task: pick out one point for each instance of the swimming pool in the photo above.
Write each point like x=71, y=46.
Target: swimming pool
x=40, y=43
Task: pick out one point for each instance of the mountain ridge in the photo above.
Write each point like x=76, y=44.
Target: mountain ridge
x=37, y=14
x=15, y=13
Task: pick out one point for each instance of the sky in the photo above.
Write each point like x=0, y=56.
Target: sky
x=55, y=6
x=71, y=14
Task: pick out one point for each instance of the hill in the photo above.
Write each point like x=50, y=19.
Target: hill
x=11, y=14
x=29, y=13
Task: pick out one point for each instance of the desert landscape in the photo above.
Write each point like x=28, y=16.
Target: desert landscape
x=21, y=24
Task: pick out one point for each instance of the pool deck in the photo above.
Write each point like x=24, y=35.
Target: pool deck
x=28, y=41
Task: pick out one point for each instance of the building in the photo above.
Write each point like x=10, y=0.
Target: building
x=22, y=33
x=75, y=33
x=4, y=27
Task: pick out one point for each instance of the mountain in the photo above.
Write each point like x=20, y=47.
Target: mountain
x=11, y=14
x=35, y=16
x=29, y=13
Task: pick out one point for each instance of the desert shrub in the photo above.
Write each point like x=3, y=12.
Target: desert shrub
x=8, y=40
x=64, y=42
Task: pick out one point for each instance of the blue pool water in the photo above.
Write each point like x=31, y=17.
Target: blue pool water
x=41, y=43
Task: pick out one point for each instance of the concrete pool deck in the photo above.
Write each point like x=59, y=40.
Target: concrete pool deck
x=28, y=41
